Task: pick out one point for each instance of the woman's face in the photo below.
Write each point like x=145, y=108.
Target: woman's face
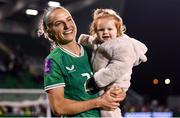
x=106, y=29
x=62, y=26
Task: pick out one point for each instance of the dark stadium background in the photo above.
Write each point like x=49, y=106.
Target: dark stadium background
x=154, y=22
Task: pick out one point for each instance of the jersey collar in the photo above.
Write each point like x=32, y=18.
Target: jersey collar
x=72, y=54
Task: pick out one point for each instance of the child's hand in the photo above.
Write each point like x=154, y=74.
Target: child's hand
x=85, y=39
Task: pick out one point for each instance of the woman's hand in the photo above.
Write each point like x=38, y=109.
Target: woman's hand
x=110, y=99
x=117, y=92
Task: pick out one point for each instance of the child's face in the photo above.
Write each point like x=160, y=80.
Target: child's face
x=106, y=29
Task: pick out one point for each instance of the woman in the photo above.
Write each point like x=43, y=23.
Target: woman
x=67, y=70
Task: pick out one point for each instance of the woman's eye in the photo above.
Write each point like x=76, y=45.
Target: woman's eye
x=58, y=23
x=70, y=19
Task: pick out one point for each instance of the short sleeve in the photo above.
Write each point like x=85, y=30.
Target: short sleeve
x=53, y=76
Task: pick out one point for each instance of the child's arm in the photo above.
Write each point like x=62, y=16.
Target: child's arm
x=140, y=50
x=85, y=40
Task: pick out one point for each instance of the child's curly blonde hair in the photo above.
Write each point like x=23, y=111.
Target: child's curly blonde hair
x=107, y=13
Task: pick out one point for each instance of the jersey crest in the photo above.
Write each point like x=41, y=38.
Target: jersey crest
x=70, y=69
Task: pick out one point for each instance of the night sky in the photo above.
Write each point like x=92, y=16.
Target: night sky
x=157, y=24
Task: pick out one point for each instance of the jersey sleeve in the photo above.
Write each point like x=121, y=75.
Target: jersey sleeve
x=53, y=76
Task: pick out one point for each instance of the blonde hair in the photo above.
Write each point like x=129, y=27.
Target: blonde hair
x=106, y=13
x=44, y=26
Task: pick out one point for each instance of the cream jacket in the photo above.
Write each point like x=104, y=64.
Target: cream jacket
x=113, y=60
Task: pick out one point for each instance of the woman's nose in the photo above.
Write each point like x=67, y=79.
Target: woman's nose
x=66, y=25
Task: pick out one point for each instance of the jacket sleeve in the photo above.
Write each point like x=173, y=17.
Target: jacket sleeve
x=86, y=40
x=140, y=50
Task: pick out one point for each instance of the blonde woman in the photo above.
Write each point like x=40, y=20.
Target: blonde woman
x=67, y=70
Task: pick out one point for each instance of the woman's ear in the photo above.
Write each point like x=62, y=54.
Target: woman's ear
x=50, y=33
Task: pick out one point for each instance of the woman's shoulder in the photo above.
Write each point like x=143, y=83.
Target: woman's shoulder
x=55, y=53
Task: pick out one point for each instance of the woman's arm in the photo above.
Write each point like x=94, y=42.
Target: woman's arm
x=62, y=106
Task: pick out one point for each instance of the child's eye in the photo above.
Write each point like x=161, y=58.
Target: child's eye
x=100, y=30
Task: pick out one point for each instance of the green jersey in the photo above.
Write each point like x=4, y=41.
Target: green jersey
x=65, y=69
